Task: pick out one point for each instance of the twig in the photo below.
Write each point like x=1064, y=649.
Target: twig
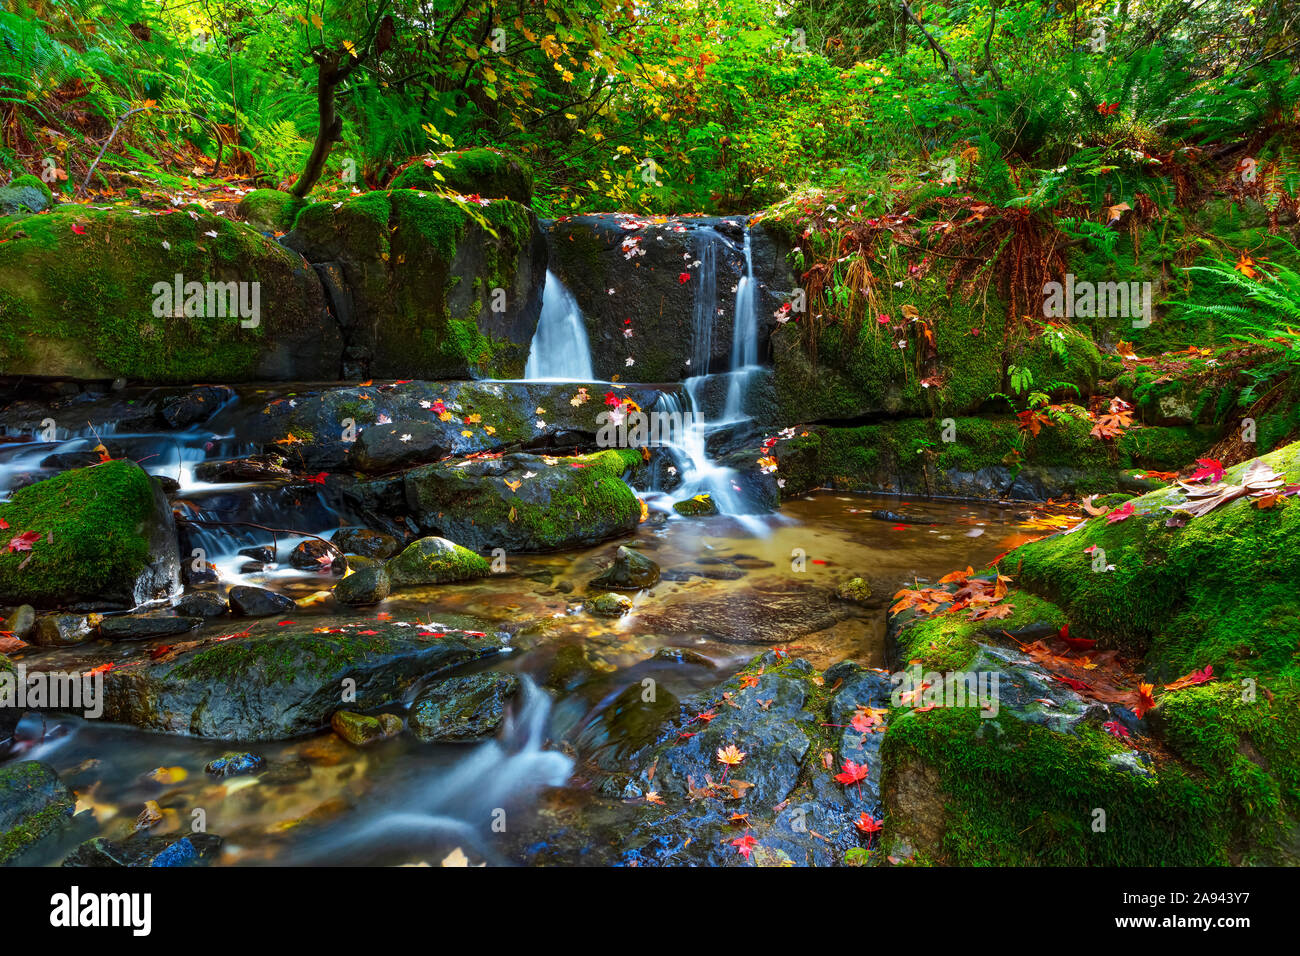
x=140, y=109
x=260, y=527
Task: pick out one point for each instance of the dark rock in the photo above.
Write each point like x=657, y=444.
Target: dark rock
x=362, y=729
x=144, y=627
x=249, y=468
x=234, y=764
x=62, y=630
x=26, y=194
x=202, y=604
x=462, y=709
x=34, y=804
x=289, y=682
x=630, y=571
x=141, y=849
x=363, y=541
x=294, y=770
x=260, y=554
x=610, y=604
x=316, y=555
x=21, y=621
x=364, y=587
x=381, y=448
x=197, y=405
x=258, y=602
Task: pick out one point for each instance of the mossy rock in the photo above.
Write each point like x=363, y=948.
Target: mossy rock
x=523, y=503
x=491, y=173
x=435, y=561
x=270, y=210
x=462, y=709
x=108, y=539
x=26, y=194
x=281, y=685
x=422, y=273
x=696, y=506
x=89, y=293
x=34, y=804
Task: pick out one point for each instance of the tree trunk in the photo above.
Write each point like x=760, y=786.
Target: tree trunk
x=328, y=132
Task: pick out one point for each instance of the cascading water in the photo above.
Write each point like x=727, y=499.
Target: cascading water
x=689, y=445
x=560, y=349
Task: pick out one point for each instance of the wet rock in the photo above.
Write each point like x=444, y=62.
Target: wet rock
x=260, y=554
x=235, y=763
x=859, y=591
x=198, y=577
x=364, y=587
x=145, y=627
x=197, y=405
x=435, y=561
x=51, y=271
x=315, y=555
x=610, y=604
x=26, y=194
x=462, y=709
x=168, y=484
x=108, y=541
x=141, y=849
x=696, y=506
x=361, y=729
x=381, y=448
x=363, y=541
x=286, y=772
x=683, y=655
x=34, y=804
x=204, y=604
x=525, y=502
x=288, y=682
x=712, y=574
x=249, y=601
x=770, y=613
x=62, y=630
x=21, y=621
x=249, y=468
x=630, y=571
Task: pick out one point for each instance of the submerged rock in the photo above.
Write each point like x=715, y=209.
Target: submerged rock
x=435, y=561
x=278, y=685
x=62, y=630
x=141, y=849
x=145, y=627
x=235, y=764
x=367, y=543
x=462, y=709
x=104, y=537
x=34, y=804
x=610, y=604
x=696, y=506
x=361, y=729
x=630, y=571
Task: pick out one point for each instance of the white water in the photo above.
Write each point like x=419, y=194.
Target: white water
x=560, y=349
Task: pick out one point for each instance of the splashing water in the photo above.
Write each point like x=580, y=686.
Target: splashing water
x=560, y=349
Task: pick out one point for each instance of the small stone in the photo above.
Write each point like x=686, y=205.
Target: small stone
x=855, y=590
x=62, y=630
x=144, y=627
x=360, y=588
x=363, y=541
x=630, y=571
x=435, y=561
x=260, y=554
x=234, y=764
x=362, y=729
x=462, y=709
x=202, y=604
x=610, y=604
x=695, y=507
x=314, y=555
x=258, y=602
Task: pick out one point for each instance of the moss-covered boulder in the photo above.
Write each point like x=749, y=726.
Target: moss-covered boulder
x=26, y=194
x=436, y=288
x=270, y=210
x=34, y=804
x=276, y=686
x=435, y=561
x=90, y=292
x=526, y=502
x=482, y=171
x=428, y=421
x=106, y=538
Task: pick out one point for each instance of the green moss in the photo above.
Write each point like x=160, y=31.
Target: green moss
x=271, y=209
x=28, y=181
x=947, y=642
x=1018, y=794
x=282, y=659
x=95, y=525
x=491, y=173
x=33, y=829
x=1219, y=591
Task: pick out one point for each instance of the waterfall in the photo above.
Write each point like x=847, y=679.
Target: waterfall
x=744, y=340
x=560, y=349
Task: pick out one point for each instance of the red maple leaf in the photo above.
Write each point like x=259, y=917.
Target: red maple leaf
x=1211, y=470
x=744, y=845
x=853, y=773
x=317, y=479
x=684, y=278
x=868, y=824
x=1120, y=514
x=24, y=541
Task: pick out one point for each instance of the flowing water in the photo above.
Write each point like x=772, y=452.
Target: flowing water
x=560, y=349
x=727, y=594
